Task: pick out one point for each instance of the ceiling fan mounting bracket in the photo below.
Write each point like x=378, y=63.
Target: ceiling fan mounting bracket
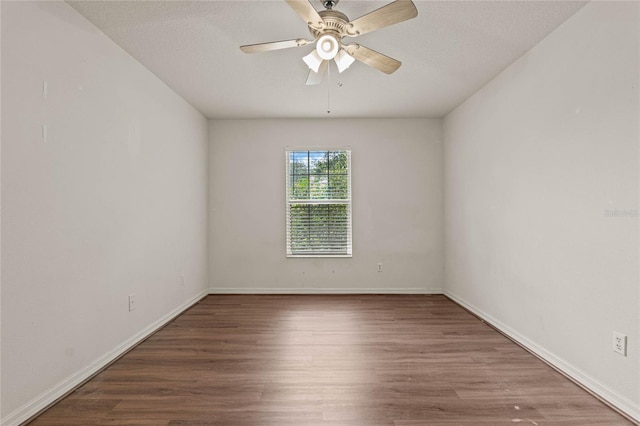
x=330, y=4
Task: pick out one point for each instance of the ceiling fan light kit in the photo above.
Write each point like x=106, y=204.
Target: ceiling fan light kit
x=329, y=27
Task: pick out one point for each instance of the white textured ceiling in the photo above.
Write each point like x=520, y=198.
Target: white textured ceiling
x=448, y=52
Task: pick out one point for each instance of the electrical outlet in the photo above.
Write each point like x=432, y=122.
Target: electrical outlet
x=132, y=302
x=620, y=343
x=379, y=267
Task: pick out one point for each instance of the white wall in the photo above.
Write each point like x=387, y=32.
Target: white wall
x=534, y=163
x=112, y=203
x=397, y=206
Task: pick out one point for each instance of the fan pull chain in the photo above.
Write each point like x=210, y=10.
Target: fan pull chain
x=329, y=88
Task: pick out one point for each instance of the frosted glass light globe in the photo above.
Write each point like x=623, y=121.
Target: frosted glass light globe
x=343, y=60
x=327, y=46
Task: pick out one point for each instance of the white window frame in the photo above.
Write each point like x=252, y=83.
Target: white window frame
x=290, y=202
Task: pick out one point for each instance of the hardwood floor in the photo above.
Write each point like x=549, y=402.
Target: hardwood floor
x=368, y=360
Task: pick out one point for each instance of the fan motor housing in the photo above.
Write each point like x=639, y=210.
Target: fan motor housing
x=333, y=22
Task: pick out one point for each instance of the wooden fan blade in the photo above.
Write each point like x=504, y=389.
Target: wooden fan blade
x=307, y=12
x=372, y=58
x=392, y=13
x=274, y=45
x=315, y=78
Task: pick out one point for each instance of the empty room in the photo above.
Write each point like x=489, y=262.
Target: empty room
x=321, y=213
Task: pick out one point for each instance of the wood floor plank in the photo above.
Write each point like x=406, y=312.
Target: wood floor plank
x=348, y=360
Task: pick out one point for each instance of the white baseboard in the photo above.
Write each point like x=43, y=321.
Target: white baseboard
x=326, y=290
x=600, y=390
x=48, y=397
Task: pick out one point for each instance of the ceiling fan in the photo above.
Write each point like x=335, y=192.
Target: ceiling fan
x=329, y=27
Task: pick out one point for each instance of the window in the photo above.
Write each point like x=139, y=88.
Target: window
x=319, y=203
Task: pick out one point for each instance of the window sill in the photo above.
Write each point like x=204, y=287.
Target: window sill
x=319, y=255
